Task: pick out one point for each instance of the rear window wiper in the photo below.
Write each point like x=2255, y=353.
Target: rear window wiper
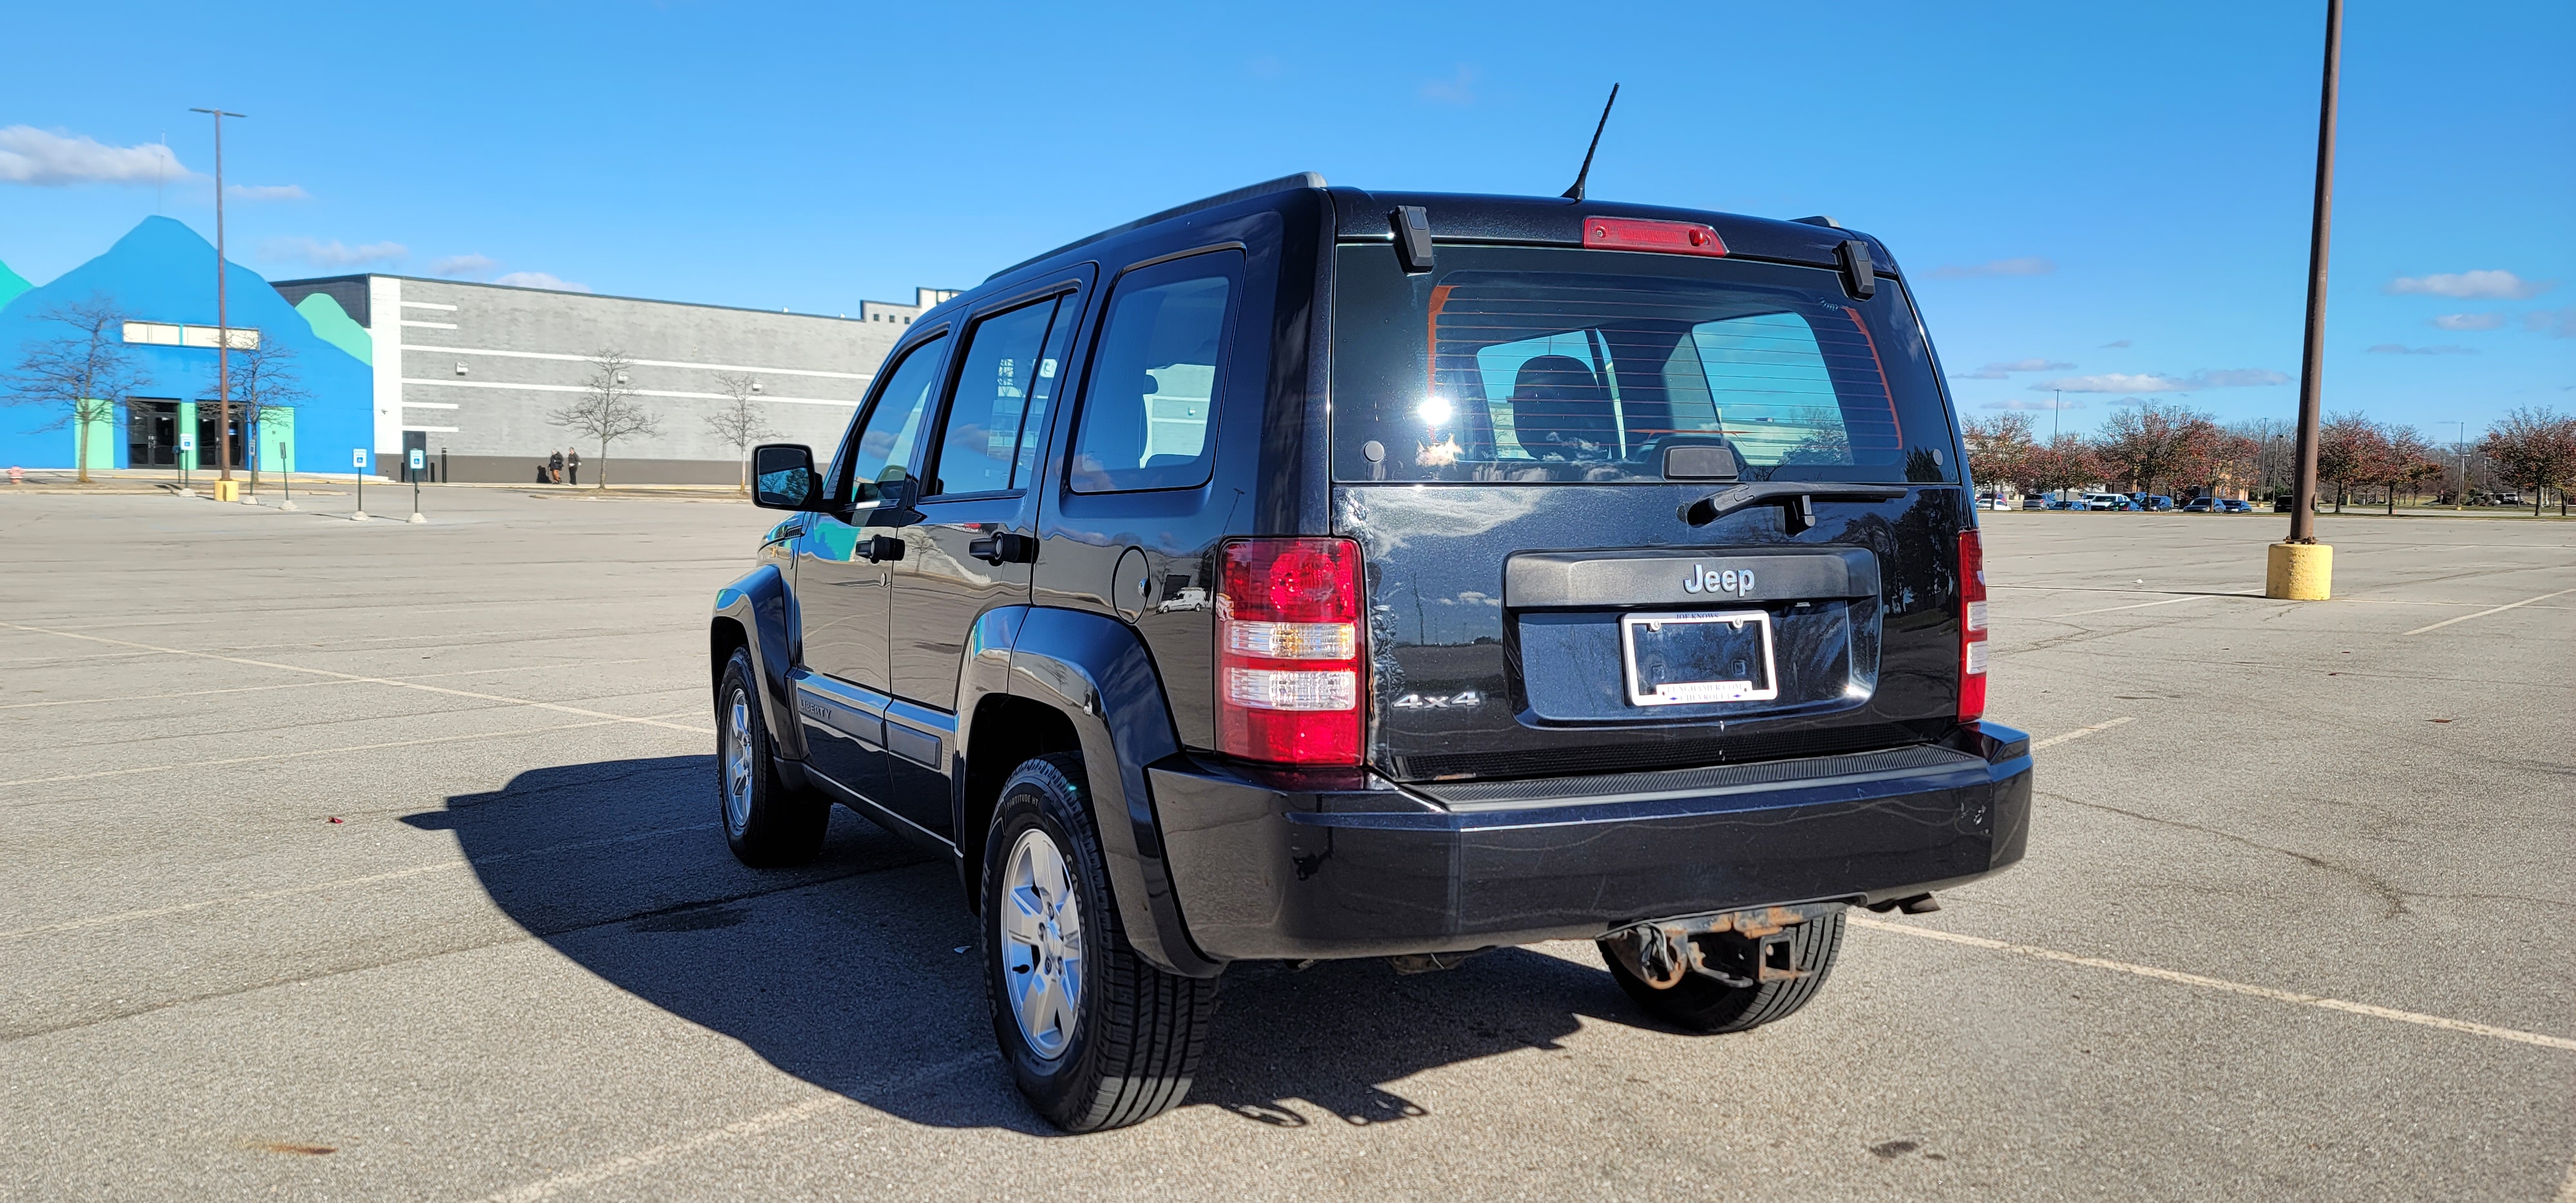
x=1796, y=499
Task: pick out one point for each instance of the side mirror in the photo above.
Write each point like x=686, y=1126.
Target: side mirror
x=895, y=494
x=783, y=477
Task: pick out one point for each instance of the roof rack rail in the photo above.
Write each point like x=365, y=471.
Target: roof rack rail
x=1285, y=183
x=1819, y=220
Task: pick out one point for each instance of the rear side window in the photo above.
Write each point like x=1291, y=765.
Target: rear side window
x=1000, y=398
x=1536, y=365
x=1155, y=377
x=885, y=441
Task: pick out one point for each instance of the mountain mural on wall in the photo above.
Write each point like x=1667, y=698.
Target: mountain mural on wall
x=162, y=271
x=11, y=284
x=334, y=326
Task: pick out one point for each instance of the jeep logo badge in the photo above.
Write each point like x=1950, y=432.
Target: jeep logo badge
x=1738, y=581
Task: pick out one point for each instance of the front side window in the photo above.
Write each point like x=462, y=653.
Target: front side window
x=884, y=444
x=1155, y=376
x=1001, y=390
x=1534, y=365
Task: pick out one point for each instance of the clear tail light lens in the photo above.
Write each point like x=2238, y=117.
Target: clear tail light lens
x=1972, y=626
x=1289, y=651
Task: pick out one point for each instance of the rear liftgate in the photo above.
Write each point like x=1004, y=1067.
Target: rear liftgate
x=1737, y=948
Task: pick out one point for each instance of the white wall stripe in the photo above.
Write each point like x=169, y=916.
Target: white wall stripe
x=640, y=392
x=642, y=363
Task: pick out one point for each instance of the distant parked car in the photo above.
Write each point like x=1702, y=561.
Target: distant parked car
x=2156, y=501
x=2067, y=504
x=2284, y=504
x=2234, y=506
x=2105, y=501
x=2202, y=505
x=2034, y=502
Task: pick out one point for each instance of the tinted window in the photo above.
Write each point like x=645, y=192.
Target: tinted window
x=1528, y=364
x=998, y=396
x=1155, y=376
x=885, y=443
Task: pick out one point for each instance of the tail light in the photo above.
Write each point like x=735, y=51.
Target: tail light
x=1288, y=651
x=1972, y=626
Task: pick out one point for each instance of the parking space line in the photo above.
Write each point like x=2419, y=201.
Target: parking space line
x=200, y=693
x=2080, y=732
x=394, y=875
x=2210, y=983
x=766, y=1122
x=231, y=760
x=2491, y=610
x=2170, y=601
x=398, y=684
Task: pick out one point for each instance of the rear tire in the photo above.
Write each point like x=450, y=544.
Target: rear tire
x=769, y=823
x=1706, y=1005
x=1096, y=1037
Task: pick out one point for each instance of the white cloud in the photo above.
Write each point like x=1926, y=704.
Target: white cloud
x=2027, y=265
x=2464, y=285
x=2467, y=321
x=332, y=253
x=540, y=280
x=1457, y=89
x=464, y=265
x=268, y=192
x=2042, y=404
x=32, y=156
x=2122, y=343
x=2558, y=322
x=2401, y=349
x=2125, y=382
x=1999, y=371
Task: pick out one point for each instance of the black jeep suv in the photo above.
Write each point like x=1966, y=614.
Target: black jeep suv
x=1309, y=572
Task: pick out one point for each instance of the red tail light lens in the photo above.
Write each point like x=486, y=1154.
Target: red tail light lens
x=1288, y=676
x=1972, y=626
x=1663, y=237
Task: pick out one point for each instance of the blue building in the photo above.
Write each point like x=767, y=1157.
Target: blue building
x=158, y=276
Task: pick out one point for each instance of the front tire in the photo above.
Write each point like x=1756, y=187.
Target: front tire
x=1706, y=1005
x=1096, y=1037
x=768, y=823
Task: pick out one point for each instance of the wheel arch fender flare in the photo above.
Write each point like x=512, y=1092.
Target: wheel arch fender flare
x=760, y=610
x=1097, y=672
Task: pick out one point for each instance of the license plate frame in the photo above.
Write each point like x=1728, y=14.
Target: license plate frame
x=1702, y=692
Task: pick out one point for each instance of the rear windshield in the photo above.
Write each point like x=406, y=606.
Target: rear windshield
x=1529, y=365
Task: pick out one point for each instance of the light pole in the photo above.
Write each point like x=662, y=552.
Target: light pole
x=223, y=321
x=2301, y=568
x=2460, y=451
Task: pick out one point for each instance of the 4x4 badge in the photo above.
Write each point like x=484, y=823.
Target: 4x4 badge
x=1738, y=581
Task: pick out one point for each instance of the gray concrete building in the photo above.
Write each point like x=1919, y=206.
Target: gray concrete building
x=471, y=373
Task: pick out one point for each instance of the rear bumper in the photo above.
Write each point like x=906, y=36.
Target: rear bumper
x=1265, y=867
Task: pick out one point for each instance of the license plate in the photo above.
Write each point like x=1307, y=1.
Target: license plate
x=1698, y=657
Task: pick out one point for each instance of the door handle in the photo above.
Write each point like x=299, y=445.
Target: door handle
x=1004, y=547
x=880, y=548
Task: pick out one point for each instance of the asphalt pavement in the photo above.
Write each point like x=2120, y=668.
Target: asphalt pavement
x=380, y=861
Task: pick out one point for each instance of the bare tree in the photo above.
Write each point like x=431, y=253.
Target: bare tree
x=265, y=388
x=80, y=373
x=607, y=410
x=739, y=422
x=2064, y=462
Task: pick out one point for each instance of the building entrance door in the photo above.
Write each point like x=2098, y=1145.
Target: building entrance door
x=152, y=434
x=209, y=418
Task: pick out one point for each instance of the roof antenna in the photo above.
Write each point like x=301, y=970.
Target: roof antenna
x=1576, y=192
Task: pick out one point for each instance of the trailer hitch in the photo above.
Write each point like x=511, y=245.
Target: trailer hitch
x=1737, y=948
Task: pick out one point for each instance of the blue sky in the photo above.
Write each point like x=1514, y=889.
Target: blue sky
x=2114, y=196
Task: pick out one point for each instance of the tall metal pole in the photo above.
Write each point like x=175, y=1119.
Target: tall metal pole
x=2303, y=520
x=223, y=320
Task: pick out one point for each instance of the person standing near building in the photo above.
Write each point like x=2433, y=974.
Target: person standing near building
x=554, y=468
x=572, y=466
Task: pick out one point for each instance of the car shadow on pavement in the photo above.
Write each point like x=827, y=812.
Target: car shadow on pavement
x=857, y=972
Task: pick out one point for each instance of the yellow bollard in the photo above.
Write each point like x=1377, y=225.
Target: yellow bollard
x=227, y=490
x=2300, y=572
